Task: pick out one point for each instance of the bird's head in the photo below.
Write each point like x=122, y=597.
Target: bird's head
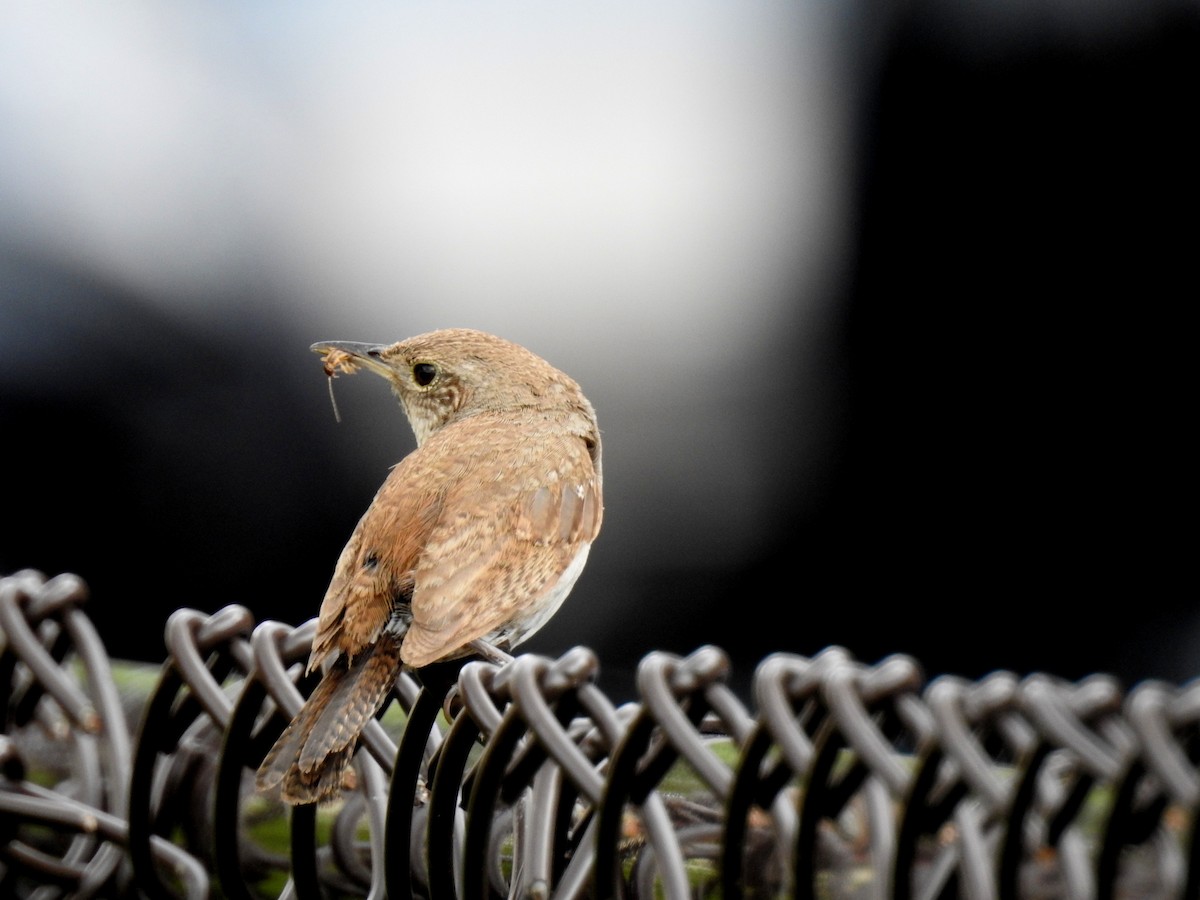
x=453, y=373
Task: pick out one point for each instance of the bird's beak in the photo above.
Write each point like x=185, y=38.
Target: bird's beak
x=369, y=356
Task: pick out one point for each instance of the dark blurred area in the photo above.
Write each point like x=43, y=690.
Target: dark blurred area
x=1012, y=475
x=167, y=467
x=977, y=455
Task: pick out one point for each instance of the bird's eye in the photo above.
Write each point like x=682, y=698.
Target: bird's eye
x=423, y=373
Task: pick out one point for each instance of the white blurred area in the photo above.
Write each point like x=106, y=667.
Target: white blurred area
x=588, y=176
x=645, y=193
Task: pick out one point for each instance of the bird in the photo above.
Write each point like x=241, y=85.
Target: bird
x=470, y=545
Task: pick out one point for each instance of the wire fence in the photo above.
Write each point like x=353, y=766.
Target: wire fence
x=842, y=780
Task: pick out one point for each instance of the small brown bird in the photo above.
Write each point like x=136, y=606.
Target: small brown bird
x=472, y=542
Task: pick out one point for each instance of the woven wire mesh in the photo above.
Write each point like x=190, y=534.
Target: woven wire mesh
x=839, y=779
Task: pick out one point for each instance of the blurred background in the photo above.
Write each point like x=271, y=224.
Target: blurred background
x=881, y=306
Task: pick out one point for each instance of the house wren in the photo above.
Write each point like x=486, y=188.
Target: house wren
x=472, y=542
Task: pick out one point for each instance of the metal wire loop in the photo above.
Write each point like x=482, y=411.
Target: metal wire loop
x=833, y=778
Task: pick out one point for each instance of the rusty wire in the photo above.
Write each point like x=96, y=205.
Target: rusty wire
x=844, y=779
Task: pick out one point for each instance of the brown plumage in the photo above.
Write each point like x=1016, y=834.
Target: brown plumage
x=477, y=535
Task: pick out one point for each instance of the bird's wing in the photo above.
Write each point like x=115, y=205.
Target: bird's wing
x=515, y=519
x=374, y=572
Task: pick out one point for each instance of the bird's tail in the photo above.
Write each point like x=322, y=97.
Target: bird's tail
x=310, y=759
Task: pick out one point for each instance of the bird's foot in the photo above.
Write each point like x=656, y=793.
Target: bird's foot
x=490, y=652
